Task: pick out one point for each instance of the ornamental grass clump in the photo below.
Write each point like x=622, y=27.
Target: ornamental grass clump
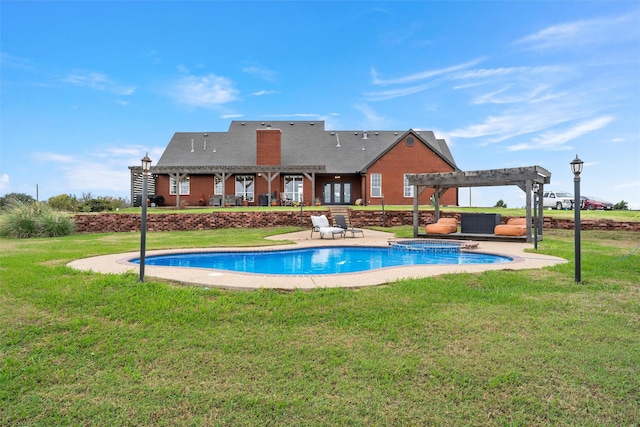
x=24, y=220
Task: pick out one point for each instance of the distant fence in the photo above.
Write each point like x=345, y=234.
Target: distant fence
x=112, y=222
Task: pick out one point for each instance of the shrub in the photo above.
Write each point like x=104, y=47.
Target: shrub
x=621, y=205
x=64, y=202
x=35, y=219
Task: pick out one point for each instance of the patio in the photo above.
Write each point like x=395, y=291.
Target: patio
x=119, y=263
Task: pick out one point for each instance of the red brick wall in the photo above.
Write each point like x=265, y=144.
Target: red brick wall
x=268, y=146
x=402, y=159
x=201, y=188
x=104, y=223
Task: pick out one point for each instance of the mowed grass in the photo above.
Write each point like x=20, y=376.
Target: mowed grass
x=497, y=348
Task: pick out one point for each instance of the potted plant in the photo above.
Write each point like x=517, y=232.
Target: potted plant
x=317, y=202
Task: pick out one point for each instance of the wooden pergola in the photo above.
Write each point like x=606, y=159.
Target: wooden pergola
x=529, y=179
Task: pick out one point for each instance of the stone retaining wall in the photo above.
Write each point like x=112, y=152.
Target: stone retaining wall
x=111, y=222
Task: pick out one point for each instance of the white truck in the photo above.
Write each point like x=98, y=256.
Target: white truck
x=557, y=200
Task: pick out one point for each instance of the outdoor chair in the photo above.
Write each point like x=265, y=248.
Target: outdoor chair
x=513, y=227
x=443, y=226
x=321, y=225
x=341, y=222
x=284, y=201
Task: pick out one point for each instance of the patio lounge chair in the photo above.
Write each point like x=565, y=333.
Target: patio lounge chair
x=443, y=226
x=321, y=225
x=513, y=227
x=341, y=222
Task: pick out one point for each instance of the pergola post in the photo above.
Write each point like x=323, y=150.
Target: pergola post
x=436, y=197
x=527, y=191
x=540, y=208
x=416, y=216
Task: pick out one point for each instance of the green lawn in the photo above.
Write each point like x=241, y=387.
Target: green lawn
x=498, y=348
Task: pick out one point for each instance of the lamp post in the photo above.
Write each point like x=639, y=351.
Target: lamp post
x=576, y=168
x=146, y=166
x=535, y=215
x=301, y=205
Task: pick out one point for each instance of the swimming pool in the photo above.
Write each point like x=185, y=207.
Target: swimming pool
x=317, y=261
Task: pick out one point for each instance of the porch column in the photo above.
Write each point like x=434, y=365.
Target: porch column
x=270, y=177
x=177, y=177
x=311, y=178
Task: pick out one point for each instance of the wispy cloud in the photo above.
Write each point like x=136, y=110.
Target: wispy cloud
x=260, y=72
x=92, y=80
x=576, y=34
x=4, y=182
x=153, y=54
x=382, y=95
x=556, y=139
x=630, y=184
x=373, y=120
x=53, y=158
x=204, y=91
x=231, y=116
x=16, y=62
x=303, y=115
x=264, y=92
x=510, y=94
x=97, y=81
x=483, y=73
x=423, y=75
x=103, y=170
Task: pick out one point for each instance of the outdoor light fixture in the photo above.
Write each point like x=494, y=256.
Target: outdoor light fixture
x=576, y=168
x=146, y=167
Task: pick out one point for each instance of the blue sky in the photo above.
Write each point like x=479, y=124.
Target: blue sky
x=88, y=87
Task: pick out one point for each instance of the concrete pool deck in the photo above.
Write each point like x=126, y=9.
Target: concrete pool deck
x=119, y=263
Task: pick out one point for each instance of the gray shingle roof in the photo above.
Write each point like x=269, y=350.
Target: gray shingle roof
x=303, y=143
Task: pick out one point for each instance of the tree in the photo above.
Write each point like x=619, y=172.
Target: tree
x=621, y=205
x=64, y=202
x=15, y=197
x=500, y=204
x=100, y=204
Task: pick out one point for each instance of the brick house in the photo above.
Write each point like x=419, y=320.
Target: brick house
x=290, y=162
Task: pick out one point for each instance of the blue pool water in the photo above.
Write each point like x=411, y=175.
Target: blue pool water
x=333, y=260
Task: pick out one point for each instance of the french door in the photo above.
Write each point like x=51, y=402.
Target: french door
x=336, y=193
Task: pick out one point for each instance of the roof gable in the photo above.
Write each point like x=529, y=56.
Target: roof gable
x=438, y=146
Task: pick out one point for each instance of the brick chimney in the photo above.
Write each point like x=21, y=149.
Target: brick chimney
x=268, y=146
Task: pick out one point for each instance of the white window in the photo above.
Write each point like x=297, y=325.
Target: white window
x=244, y=187
x=408, y=189
x=218, y=186
x=293, y=187
x=376, y=185
x=185, y=186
